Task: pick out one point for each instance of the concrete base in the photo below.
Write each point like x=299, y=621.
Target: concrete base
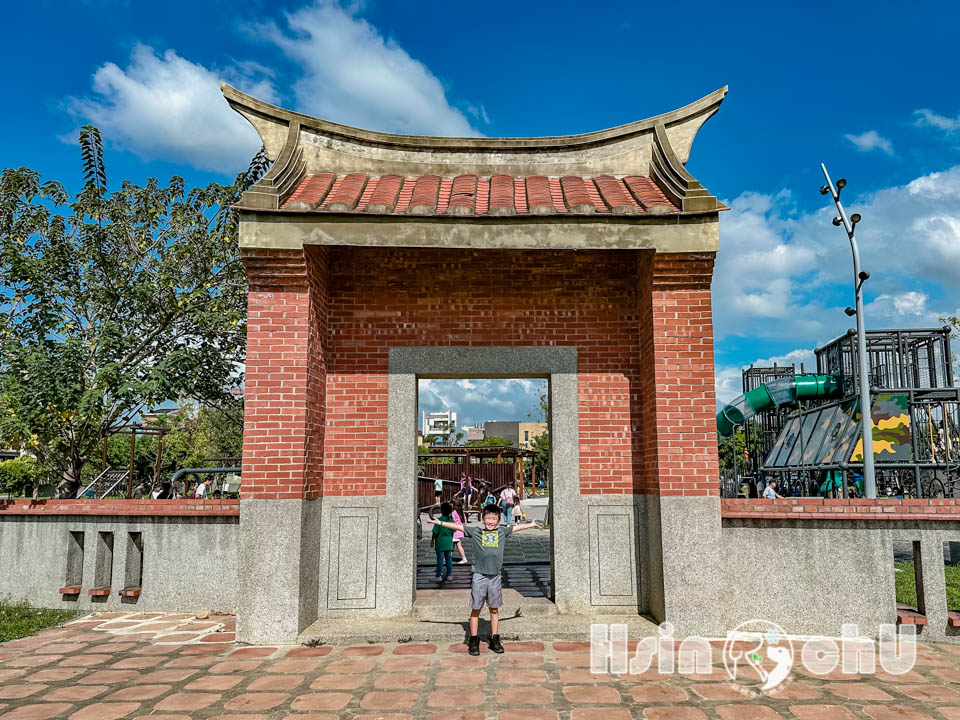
x=188, y=563
x=453, y=630
x=279, y=562
x=812, y=576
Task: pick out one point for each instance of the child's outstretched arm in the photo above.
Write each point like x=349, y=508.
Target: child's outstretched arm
x=526, y=526
x=443, y=523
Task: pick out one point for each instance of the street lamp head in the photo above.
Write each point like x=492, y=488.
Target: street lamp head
x=824, y=189
x=841, y=184
x=855, y=218
x=837, y=221
x=850, y=311
x=864, y=275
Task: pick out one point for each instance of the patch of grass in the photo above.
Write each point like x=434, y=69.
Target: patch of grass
x=907, y=585
x=19, y=620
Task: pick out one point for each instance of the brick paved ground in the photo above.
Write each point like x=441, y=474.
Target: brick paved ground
x=173, y=667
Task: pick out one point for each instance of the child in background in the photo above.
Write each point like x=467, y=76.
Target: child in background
x=458, y=518
x=442, y=542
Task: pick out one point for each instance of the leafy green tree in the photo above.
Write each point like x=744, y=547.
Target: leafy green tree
x=490, y=442
x=17, y=473
x=112, y=302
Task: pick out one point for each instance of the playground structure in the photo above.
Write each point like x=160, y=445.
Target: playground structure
x=802, y=429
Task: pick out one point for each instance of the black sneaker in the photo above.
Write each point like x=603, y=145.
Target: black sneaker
x=473, y=646
x=495, y=644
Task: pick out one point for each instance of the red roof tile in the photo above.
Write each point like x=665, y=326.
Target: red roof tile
x=472, y=195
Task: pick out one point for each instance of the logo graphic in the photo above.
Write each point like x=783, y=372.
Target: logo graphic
x=490, y=539
x=758, y=657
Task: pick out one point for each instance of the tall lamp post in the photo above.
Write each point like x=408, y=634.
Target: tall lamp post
x=860, y=276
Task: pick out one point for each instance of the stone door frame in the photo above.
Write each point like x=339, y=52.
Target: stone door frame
x=576, y=584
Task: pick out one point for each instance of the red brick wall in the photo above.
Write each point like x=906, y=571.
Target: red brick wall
x=678, y=403
x=840, y=509
x=321, y=325
x=388, y=297
x=285, y=374
x=192, y=508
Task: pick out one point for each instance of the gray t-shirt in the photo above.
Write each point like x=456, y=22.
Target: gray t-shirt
x=486, y=547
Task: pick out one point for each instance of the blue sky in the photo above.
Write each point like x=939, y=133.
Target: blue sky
x=869, y=88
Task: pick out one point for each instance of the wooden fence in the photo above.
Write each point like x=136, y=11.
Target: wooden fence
x=496, y=475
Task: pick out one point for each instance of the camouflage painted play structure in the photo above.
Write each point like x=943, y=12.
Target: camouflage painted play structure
x=804, y=429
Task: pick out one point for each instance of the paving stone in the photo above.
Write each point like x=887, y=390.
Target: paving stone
x=162, y=717
x=106, y=677
x=388, y=700
x=524, y=695
x=105, y=711
x=235, y=666
x=75, y=693
x=335, y=681
x=658, y=694
x=256, y=701
x=747, y=712
x=198, y=661
x=583, y=676
x=353, y=665
x=362, y=651
x=85, y=660
x=821, y=712
x=28, y=661
x=399, y=664
x=415, y=650
x=455, y=698
x=20, y=690
x=227, y=637
x=895, y=712
x=202, y=650
x=527, y=714
x=303, y=652
x=523, y=677
x=10, y=673
x=37, y=711
x=165, y=676
x=214, y=682
x=457, y=715
x=138, y=663
x=930, y=693
x=459, y=677
x=590, y=694
x=139, y=692
x=252, y=652
x=400, y=681
x=275, y=682
x=53, y=674
x=600, y=713
x=187, y=701
x=322, y=701
x=674, y=713
x=296, y=665
x=857, y=691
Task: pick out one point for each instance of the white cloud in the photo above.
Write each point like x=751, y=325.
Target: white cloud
x=479, y=400
x=784, y=277
x=166, y=107
x=870, y=140
x=928, y=118
x=163, y=106
x=353, y=75
x=729, y=379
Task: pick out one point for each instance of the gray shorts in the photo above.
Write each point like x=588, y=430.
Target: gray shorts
x=485, y=588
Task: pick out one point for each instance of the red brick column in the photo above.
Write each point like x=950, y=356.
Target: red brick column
x=678, y=401
x=285, y=374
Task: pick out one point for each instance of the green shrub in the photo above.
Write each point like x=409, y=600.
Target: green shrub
x=16, y=473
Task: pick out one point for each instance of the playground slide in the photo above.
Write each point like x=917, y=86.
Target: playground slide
x=785, y=391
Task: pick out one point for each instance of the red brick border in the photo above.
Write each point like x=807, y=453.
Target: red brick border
x=827, y=509
x=166, y=508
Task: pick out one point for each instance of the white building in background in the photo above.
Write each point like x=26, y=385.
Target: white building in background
x=439, y=424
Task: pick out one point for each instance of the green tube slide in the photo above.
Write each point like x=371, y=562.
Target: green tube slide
x=784, y=391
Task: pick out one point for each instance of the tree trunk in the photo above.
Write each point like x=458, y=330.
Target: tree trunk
x=70, y=484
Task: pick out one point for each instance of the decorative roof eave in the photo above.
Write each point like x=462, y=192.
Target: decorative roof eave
x=656, y=147
x=258, y=111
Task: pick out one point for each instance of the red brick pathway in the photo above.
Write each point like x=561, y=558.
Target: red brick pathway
x=170, y=667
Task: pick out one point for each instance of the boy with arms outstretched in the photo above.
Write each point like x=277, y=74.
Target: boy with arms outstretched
x=486, y=553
